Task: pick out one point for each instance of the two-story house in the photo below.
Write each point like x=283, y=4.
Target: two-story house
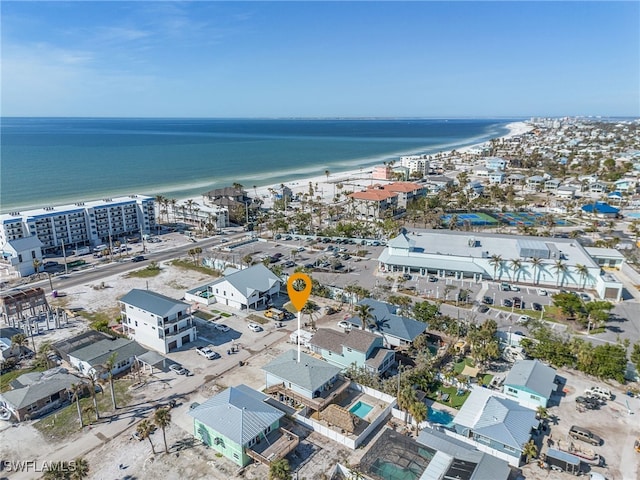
x=18, y=256
x=530, y=383
x=157, y=321
x=495, y=424
x=248, y=288
x=240, y=424
x=396, y=330
x=353, y=347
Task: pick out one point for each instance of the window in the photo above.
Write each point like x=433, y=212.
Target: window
x=20, y=257
x=511, y=391
x=508, y=448
x=235, y=455
x=33, y=254
x=535, y=397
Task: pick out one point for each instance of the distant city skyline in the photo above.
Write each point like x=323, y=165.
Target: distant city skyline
x=320, y=59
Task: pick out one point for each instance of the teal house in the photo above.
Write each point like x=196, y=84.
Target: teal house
x=530, y=383
x=353, y=347
x=240, y=424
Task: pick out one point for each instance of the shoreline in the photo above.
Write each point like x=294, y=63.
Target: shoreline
x=356, y=178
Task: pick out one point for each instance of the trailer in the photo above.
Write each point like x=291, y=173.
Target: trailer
x=561, y=461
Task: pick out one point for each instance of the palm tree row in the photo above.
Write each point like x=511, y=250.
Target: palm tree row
x=162, y=419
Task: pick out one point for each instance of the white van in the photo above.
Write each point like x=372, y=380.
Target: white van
x=100, y=248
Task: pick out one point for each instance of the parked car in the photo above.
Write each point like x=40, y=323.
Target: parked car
x=483, y=309
x=536, y=306
x=599, y=392
x=514, y=288
x=588, y=402
x=254, y=327
x=406, y=276
x=222, y=327
x=344, y=324
x=433, y=279
x=179, y=369
x=584, y=434
x=585, y=297
x=523, y=319
x=542, y=292
x=505, y=287
x=207, y=353
x=289, y=264
x=507, y=303
x=137, y=258
x=487, y=300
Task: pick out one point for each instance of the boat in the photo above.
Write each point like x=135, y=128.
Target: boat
x=585, y=454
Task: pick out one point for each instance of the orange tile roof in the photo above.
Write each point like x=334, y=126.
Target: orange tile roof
x=376, y=195
x=402, y=187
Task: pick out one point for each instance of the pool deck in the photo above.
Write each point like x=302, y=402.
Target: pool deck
x=439, y=406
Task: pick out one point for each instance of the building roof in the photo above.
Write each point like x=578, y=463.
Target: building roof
x=334, y=341
x=388, y=323
x=372, y=195
x=405, y=187
x=256, y=278
x=25, y=243
x=496, y=417
x=39, y=385
x=310, y=374
x=226, y=192
x=457, y=459
x=154, y=302
x=378, y=357
x=63, y=347
x=533, y=375
x=98, y=353
x=238, y=413
x=600, y=207
x=401, y=241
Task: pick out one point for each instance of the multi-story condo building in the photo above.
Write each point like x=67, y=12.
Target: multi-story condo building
x=156, y=321
x=418, y=164
x=82, y=223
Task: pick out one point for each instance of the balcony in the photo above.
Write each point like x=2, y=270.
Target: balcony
x=179, y=331
x=277, y=444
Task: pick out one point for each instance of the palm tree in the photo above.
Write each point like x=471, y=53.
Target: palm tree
x=530, y=450
x=496, y=261
x=406, y=397
x=536, y=264
x=365, y=312
x=80, y=469
x=280, y=470
x=162, y=418
x=108, y=367
x=91, y=376
x=561, y=269
x=516, y=266
x=418, y=411
x=76, y=392
x=145, y=429
x=19, y=340
x=583, y=271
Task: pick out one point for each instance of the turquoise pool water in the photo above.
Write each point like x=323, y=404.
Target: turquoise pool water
x=632, y=215
x=361, y=409
x=440, y=416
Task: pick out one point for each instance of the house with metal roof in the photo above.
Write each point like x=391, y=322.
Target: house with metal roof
x=17, y=256
x=157, y=321
x=251, y=287
x=453, y=458
x=310, y=381
x=37, y=393
x=240, y=424
x=90, y=359
x=600, y=210
x=530, y=383
x=495, y=424
x=396, y=330
x=353, y=347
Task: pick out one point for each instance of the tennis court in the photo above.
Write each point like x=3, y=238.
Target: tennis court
x=475, y=219
x=528, y=219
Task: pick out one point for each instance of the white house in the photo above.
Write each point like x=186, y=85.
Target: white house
x=248, y=288
x=18, y=256
x=530, y=383
x=159, y=322
x=91, y=359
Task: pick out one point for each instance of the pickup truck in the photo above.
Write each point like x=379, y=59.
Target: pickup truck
x=207, y=353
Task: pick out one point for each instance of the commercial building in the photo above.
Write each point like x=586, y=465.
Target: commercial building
x=83, y=223
x=553, y=262
x=159, y=322
x=417, y=164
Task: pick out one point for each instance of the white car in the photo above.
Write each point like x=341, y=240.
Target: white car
x=222, y=327
x=542, y=292
x=344, y=324
x=599, y=392
x=254, y=327
x=207, y=353
x=524, y=319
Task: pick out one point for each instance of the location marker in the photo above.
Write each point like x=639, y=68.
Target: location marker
x=299, y=297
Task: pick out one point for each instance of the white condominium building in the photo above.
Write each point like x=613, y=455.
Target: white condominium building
x=82, y=223
x=416, y=164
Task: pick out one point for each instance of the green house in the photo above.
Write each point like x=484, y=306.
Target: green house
x=237, y=423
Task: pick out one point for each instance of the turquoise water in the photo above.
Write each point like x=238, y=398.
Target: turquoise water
x=632, y=215
x=440, y=417
x=52, y=161
x=361, y=409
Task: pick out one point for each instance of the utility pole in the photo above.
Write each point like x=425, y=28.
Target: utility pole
x=64, y=256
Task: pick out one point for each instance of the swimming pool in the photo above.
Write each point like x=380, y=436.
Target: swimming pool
x=440, y=417
x=361, y=409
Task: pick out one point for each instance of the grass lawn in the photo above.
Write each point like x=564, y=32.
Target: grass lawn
x=458, y=367
x=225, y=314
x=189, y=265
x=257, y=319
x=147, y=272
x=486, y=379
x=203, y=315
x=455, y=400
x=7, y=378
x=63, y=423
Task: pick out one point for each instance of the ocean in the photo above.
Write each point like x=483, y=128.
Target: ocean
x=53, y=161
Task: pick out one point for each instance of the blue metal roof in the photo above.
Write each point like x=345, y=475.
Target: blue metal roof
x=600, y=207
x=389, y=323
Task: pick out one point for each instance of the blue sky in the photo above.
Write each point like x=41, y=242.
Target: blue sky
x=320, y=59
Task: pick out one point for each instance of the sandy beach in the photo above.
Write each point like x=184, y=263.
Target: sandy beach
x=352, y=180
